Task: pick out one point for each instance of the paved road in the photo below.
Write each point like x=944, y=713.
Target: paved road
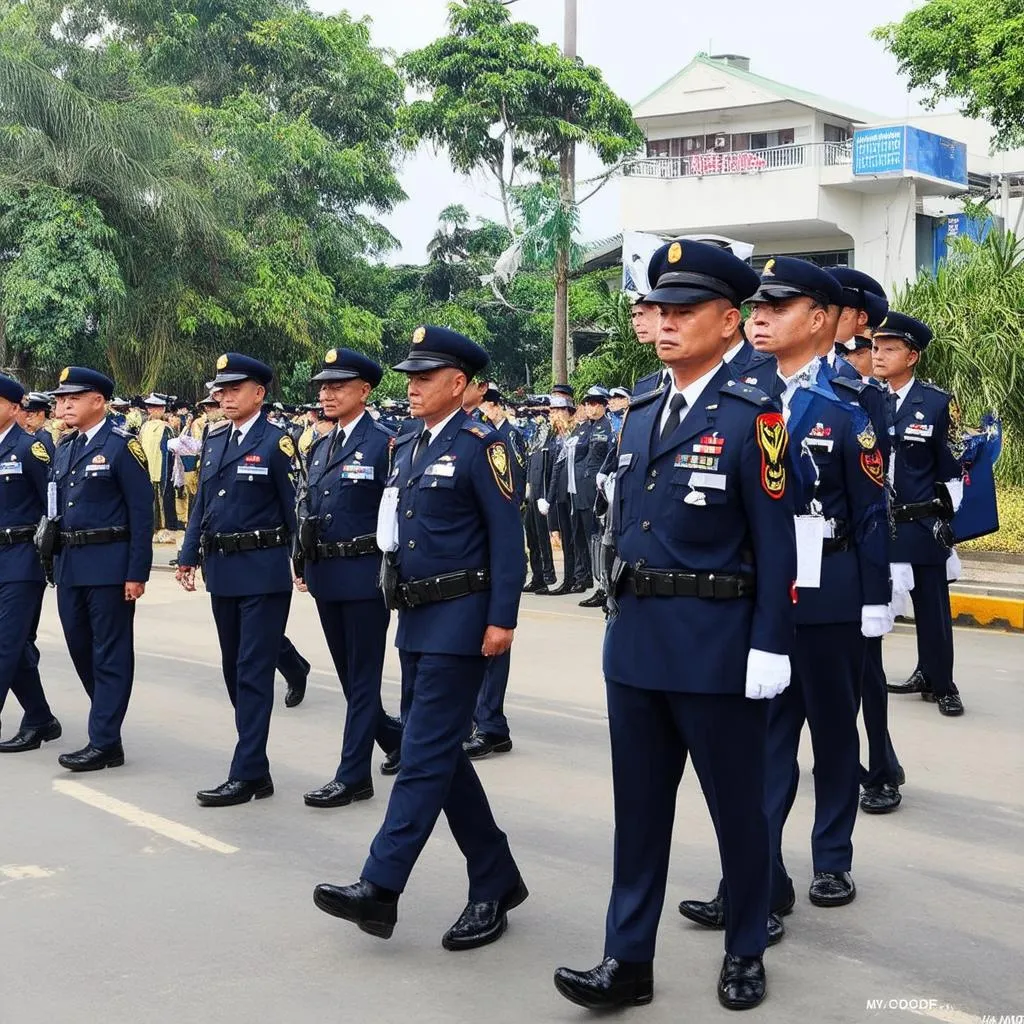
x=108, y=915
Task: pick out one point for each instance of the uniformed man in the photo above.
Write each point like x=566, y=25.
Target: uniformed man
x=117, y=411
x=594, y=438
x=842, y=508
x=337, y=529
x=154, y=434
x=104, y=514
x=701, y=636
x=618, y=403
x=456, y=566
x=24, y=472
x=558, y=501
x=35, y=411
x=241, y=533
x=928, y=488
x=542, y=449
x=490, y=726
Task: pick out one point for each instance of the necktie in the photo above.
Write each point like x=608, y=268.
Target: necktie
x=79, y=445
x=675, y=409
x=236, y=437
x=337, y=441
x=421, y=448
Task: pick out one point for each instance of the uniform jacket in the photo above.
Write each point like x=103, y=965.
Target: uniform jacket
x=457, y=510
x=46, y=439
x=244, y=488
x=592, y=440
x=872, y=396
x=24, y=472
x=102, y=485
x=517, y=450
x=558, y=471
x=539, y=461
x=923, y=458
x=344, y=490
x=714, y=497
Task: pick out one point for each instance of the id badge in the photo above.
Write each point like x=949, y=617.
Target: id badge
x=387, y=520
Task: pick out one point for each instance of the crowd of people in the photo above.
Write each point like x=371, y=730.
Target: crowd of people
x=750, y=517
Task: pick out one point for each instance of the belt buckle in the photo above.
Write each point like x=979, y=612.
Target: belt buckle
x=705, y=585
x=643, y=586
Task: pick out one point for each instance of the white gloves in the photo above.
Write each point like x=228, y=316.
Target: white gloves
x=954, y=568
x=956, y=492
x=602, y=480
x=543, y=506
x=767, y=674
x=902, y=575
x=876, y=620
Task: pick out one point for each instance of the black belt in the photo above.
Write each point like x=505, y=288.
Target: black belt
x=16, y=535
x=718, y=586
x=915, y=510
x=443, y=588
x=255, y=540
x=81, y=538
x=347, y=548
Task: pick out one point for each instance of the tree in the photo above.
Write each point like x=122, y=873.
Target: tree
x=970, y=51
x=502, y=101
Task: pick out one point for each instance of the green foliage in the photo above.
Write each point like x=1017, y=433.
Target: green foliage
x=975, y=306
x=1010, y=535
x=970, y=51
x=620, y=360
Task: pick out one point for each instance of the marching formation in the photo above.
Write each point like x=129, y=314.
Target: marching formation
x=752, y=517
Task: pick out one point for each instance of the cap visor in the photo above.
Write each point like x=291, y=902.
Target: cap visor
x=335, y=375
x=73, y=389
x=230, y=378
x=420, y=365
x=767, y=292
x=681, y=296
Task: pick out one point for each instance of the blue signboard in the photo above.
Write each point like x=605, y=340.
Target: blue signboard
x=957, y=225
x=879, y=150
x=936, y=156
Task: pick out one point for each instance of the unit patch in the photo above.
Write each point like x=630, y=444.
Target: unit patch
x=497, y=458
x=871, y=463
x=772, y=439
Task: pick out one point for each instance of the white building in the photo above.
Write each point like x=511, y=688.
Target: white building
x=735, y=154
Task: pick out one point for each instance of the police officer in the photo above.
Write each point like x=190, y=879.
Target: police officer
x=35, y=410
x=557, y=500
x=104, y=506
x=541, y=451
x=337, y=528
x=491, y=732
x=240, y=533
x=24, y=472
x=928, y=489
x=704, y=532
x=456, y=566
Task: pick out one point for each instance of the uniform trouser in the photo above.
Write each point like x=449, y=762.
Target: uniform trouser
x=439, y=692
x=934, y=625
x=20, y=605
x=292, y=665
x=99, y=627
x=250, y=630
x=652, y=733
x=883, y=764
x=356, y=633
x=490, y=706
x=538, y=540
x=165, y=516
x=826, y=665
x=584, y=525
x=564, y=521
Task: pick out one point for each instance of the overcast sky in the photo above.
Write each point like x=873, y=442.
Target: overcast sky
x=639, y=44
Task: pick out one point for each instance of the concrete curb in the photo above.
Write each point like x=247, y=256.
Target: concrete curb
x=987, y=612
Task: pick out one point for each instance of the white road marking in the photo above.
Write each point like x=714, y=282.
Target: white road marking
x=143, y=819
x=950, y=1016
x=19, y=872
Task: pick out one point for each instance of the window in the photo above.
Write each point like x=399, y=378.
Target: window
x=658, y=147
x=835, y=258
x=758, y=140
x=833, y=133
x=741, y=142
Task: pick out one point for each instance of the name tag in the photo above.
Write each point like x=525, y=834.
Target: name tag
x=10, y=469
x=251, y=471
x=357, y=472
x=709, y=481
x=920, y=429
x=440, y=469
x=625, y=460
x=92, y=469
x=915, y=437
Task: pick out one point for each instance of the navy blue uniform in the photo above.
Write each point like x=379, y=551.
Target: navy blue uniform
x=456, y=512
x=560, y=515
x=102, y=485
x=542, y=450
x=242, y=489
x=712, y=498
x=24, y=472
x=923, y=458
x=345, y=487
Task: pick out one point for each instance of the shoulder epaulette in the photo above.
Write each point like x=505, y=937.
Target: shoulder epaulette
x=68, y=438
x=121, y=432
x=934, y=387
x=217, y=427
x=746, y=392
x=648, y=396
x=405, y=438
x=377, y=425
x=480, y=430
x=854, y=384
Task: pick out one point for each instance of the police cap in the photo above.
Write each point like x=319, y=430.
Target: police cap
x=876, y=306
x=36, y=401
x=492, y=394
x=786, y=277
x=596, y=394
x=434, y=348
x=686, y=273
x=233, y=367
x=856, y=286
x=898, y=325
x=347, y=364
x=564, y=389
x=11, y=389
x=76, y=379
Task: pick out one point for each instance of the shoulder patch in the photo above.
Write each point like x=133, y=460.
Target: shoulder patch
x=501, y=468
x=867, y=438
x=747, y=392
x=648, y=396
x=287, y=445
x=480, y=430
x=773, y=439
x=135, y=447
x=871, y=463
x=38, y=449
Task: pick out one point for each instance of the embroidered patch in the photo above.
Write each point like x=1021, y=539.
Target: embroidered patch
x=253, y=459
x=867, y=439
x=497, y=457
x=772, y=439
x=135, y=447
x=287, y=446
x=871, y=463
x=38, y=449
x=820, y=430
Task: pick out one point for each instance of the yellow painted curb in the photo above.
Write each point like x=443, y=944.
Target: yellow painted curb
x=983, y=610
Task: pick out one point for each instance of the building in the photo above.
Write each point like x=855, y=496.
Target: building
x=732, y=153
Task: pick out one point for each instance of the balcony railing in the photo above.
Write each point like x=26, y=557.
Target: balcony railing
x=751, y=161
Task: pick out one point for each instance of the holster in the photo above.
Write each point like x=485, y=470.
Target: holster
x=47, y=543
x=389, y=581
x=616, y=581
x=309, y=537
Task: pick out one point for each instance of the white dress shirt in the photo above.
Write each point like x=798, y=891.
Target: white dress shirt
x=691, y=393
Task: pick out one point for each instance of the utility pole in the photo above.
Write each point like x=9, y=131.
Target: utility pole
x=561, y=346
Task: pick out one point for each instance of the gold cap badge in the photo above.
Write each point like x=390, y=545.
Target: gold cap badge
x=332, y=356
x=222, y=363
x=64, y=374
x=418, y=335
x=675, y=252
x=768, y=268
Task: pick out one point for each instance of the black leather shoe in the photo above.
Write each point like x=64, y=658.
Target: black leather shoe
x=392, y=763
x=295, y=694
x=485, y=922
x=610, y=985
x=950, y=705
x=882, y=799
x=776, y=929
x=541, y=591
x=337, y=794
x=596, y=600
x=532, y=586
x=236, y=791
x=370, y=907
x=580, y=588
x=915, y=684
x=832, y=889
x=741, y=985
x=92, y=759
x=561, y=590
x=709, y=913
x=482, y=744
x=32, y=738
